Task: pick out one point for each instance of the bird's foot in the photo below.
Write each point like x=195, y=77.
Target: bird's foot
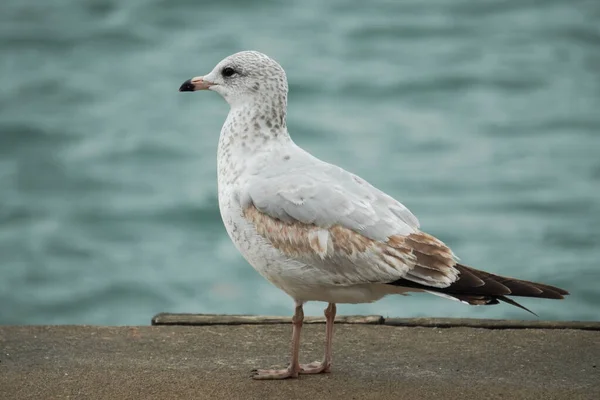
x=315, y=367
x=285, y=373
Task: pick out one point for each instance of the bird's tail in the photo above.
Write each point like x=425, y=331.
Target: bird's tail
x=477, y=287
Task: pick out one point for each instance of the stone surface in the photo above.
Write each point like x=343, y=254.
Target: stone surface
x=370, y=362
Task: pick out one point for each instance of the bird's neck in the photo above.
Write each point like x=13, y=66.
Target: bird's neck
x=249, y=129
x=267, y=111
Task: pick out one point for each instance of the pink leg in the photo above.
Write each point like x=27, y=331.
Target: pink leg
x=294, y=368
x=325, y=366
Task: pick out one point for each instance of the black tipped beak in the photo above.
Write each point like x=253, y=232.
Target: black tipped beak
x=197, y=83
x=187, y=86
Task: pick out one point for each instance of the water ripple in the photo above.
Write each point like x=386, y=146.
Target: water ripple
x=481, y=116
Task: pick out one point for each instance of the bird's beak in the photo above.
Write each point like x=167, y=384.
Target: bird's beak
x=197, y=83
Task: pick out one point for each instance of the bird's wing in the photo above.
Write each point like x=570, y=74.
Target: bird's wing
x=322, y=215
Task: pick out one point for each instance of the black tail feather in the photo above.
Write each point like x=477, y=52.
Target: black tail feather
x=514, y=303
x=483, y=288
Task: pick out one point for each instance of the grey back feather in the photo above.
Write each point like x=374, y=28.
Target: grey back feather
x=297, y=187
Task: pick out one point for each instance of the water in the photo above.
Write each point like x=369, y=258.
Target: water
x=481, y=116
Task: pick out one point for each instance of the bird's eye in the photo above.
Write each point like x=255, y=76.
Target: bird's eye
x=228, y=71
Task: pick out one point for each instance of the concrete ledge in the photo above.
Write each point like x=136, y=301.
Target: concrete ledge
x=372, y=360
x=220, y=319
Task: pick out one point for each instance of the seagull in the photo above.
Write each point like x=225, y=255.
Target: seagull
x=315, y=230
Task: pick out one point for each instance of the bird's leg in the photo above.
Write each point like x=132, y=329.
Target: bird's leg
x=294, y=368
x=324, y=366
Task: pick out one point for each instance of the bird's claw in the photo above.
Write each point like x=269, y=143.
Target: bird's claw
x=270, y=374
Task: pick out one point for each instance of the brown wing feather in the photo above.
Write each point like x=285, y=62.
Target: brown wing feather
x=419, y=257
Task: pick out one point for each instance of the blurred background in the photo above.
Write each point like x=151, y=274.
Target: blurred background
x=482, y=117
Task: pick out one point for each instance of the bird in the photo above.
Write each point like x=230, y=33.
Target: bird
x=317, y=231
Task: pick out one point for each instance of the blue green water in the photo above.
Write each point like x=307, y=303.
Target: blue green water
x=483, y=117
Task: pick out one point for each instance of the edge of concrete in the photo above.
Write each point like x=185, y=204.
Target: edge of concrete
x=221, y=319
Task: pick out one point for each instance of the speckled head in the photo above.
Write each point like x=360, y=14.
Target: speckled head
x=242, y=78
